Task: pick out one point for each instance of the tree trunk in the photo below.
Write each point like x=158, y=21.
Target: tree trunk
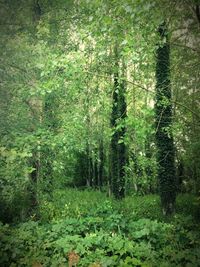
x=164, y=136
x=118, y=148
x=34, y=182
x=101, y=164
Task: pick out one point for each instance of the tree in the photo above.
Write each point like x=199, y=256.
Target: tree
x=118, y=147
x=164, y=137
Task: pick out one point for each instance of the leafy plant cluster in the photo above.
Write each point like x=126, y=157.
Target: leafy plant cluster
x=106, y=234
x=147, y=243
x=14, y=172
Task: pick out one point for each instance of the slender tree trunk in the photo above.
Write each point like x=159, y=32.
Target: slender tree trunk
x=164, y=137
x=95, y=169
x=101, y=163
x=148, y=169
x=88, y=166
x=37, y=109
x=122, y=132
x=34, y=183
x=51, y=122
x=118, y=148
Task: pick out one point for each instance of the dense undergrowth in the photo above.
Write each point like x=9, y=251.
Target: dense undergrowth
x=103, y=232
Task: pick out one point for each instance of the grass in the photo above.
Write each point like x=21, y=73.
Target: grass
x=80, y=203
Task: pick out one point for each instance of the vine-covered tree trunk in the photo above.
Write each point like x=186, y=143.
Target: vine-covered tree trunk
x=122, y=132
x=164, y=137
x=118, y=148
x=101, y=163
x=81, y=171
x=95, y=169
x=148, y=168
x=89, y=166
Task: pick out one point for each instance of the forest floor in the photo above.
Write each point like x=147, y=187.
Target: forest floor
x=86, y=228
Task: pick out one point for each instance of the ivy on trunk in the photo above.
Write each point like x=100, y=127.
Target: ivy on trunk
x=164, y=137
x=118, y=148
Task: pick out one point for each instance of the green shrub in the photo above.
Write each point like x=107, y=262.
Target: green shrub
x=147, y=243
x=103, y=232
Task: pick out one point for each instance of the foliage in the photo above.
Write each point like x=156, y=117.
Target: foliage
x=102, y=235
x=58, y=71
x=14, y=182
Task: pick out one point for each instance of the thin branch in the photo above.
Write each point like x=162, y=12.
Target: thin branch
x=185, y=46
x=160, y=117
x=122, y=79
x=186, y=107
x=197, y=11
x=140, y=86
